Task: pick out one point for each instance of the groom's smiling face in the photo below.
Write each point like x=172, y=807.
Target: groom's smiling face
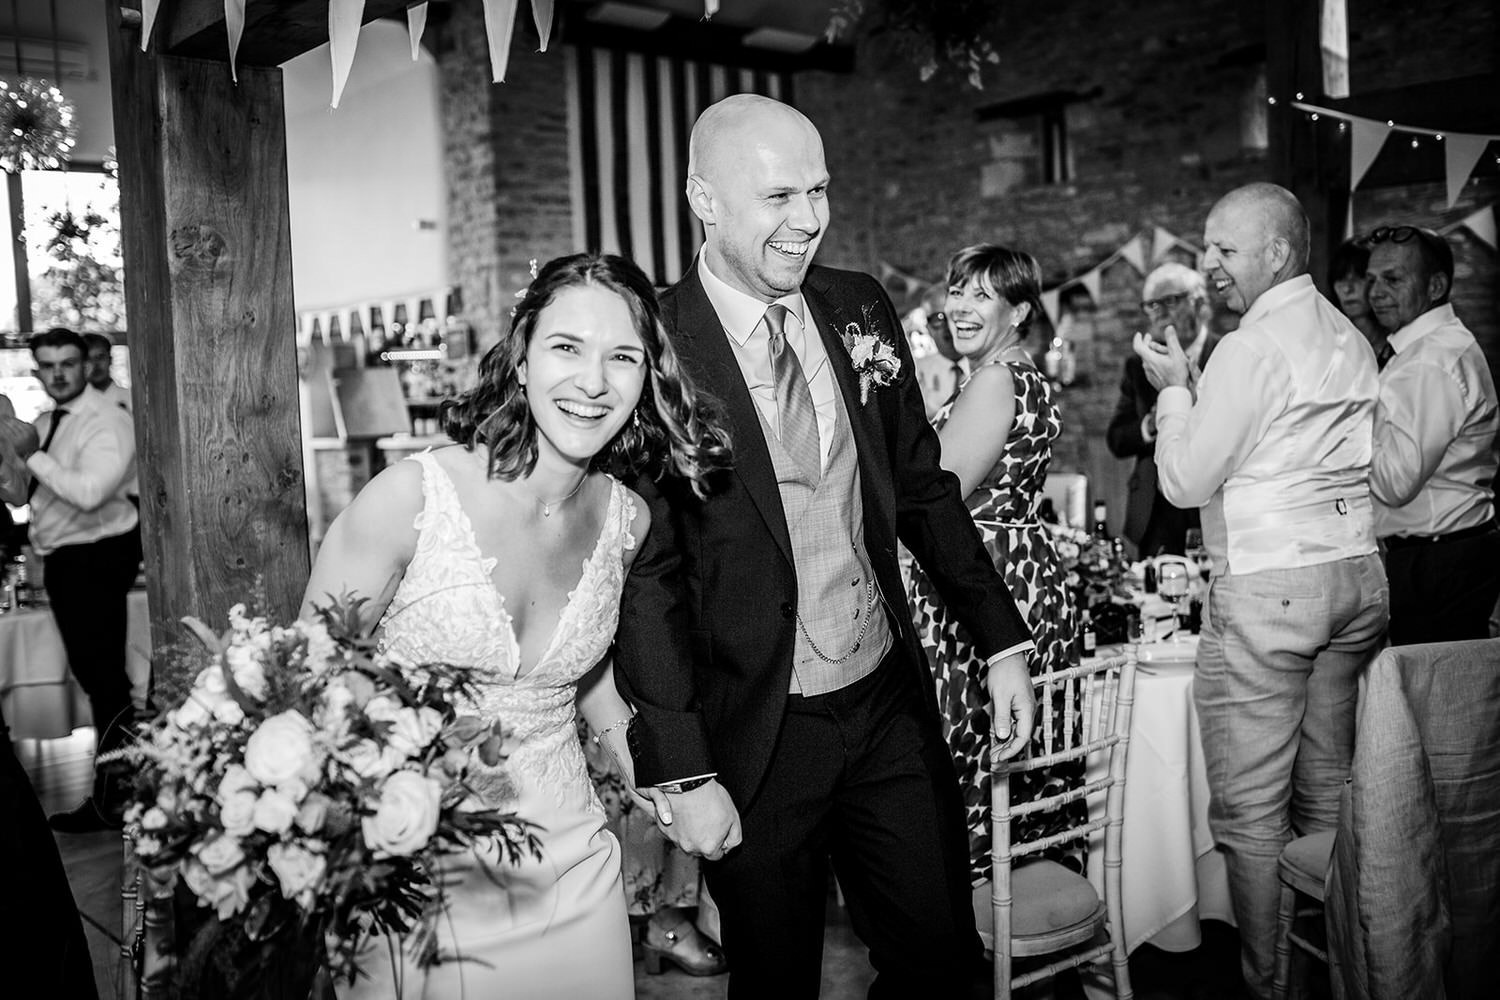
x=764, y=199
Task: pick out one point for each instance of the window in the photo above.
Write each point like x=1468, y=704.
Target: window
x=1028, y=142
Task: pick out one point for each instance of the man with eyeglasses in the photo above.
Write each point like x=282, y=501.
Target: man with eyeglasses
x=1174, y=298
x=1276, y=448
x=1435, y=459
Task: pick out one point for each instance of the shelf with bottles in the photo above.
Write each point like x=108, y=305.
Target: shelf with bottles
x=21, y=581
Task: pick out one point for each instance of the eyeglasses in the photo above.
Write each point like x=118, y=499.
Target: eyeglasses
x=1164, y=304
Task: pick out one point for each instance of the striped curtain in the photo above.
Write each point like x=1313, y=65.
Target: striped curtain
x=629, y=120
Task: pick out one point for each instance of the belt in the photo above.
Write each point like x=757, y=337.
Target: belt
x=1406, y=541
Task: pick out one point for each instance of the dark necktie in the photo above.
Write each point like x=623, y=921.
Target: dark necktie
x=958, y=382
x=57, y=418
x=1384, y=355
x=794, y=405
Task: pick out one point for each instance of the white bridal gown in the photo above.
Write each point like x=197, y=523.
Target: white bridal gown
x=554, y=928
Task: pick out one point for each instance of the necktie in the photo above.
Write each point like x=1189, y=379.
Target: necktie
x=794, y=405
x=1384, y=355
x=958, y=382
x=57, y=418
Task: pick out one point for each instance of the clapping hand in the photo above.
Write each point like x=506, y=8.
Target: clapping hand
x=1012, y=704
x=1165, y=364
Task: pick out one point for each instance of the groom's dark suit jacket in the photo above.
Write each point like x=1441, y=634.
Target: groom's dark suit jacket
x=704, y=647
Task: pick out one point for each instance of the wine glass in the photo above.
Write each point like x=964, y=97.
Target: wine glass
x=1172, y=586
x=1194, y=550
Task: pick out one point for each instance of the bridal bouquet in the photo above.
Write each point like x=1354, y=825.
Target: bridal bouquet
x=306, y=786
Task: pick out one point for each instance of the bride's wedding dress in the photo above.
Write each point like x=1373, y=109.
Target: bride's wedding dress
x=549, y=928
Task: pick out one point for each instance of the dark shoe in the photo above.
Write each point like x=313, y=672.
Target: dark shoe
x=685, y=947
x=83, y=818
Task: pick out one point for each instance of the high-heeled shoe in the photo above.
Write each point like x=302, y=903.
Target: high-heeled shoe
x=685, y=948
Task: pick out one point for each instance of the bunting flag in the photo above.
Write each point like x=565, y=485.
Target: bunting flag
x=1051, y=303
x=234, y=29
x=710, y=8
x=499, y=23
x=148, y=18
x=1161, y=242
x=1091, y=280
x=344, y=17
x=1134, y=253
x=630, y=116
x=416, y=25
x=1460, y=153
x=1481, y=224
x=541, y=13
x=1368, y=137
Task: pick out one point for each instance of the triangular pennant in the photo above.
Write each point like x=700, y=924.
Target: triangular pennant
x=1161, y=242
x=1134, y=253
x=416, y=24
x=1482, y=225
x=1090, y=282
x=1461, y=153
x=541, y=13
x=344, y=17
x=1051, y=302
x=234, y=30
x=710, y=8
x=1366, y=138
x=499, y=23
x=148, y=18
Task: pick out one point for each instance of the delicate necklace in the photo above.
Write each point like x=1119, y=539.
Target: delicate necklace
x=547, y=505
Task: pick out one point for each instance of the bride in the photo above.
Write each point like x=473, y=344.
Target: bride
x=471, y=555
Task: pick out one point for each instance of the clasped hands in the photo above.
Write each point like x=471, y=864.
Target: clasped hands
x=1166, y=364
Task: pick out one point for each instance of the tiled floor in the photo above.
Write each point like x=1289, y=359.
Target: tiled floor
x=60, y=770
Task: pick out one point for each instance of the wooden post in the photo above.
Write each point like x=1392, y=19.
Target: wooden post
x=17, y=210
x=1307, y=158
x=208, y=285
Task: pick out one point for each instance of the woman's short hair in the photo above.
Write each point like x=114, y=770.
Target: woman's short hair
x=1015, y=274
x=1351, y=258
x=674, y=428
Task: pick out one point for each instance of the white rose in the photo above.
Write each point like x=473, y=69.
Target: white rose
x=237, y=814
x=249, y=672
x=368, y=761
x=228, y=894
x=193, y=712
x=236, y=779
x=220, y=854
x=274, y=811
x=210, y=680
x=313, y=814
x=296, y=868
x=413, y=729
x=228, y=711
x=282, y=749
x=407, y=816
x=382, y=708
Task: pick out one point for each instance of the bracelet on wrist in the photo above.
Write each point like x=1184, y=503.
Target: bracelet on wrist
x=599, y=737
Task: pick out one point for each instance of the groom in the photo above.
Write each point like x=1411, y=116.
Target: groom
x=786, y=714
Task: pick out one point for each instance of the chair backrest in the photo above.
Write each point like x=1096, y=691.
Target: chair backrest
x=1413, y=896
x=1081, y=711
x=1069, y=493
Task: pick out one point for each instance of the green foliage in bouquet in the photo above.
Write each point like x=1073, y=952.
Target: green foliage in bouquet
x=306, y=789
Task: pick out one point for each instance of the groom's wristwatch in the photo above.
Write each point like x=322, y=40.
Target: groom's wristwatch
x=678, y=787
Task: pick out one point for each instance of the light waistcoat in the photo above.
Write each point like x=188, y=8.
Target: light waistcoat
x=834, y=579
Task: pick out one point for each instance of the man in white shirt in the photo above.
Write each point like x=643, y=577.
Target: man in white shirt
x=1277, y=447
x=939, y=374
x=86, y=530
x=1435, y=455
x=98, y=360
x=1174, y=297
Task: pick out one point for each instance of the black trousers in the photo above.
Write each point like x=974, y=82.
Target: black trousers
x=1443, y=591
x=861, y=779
x=39, y=929
x=87, y=585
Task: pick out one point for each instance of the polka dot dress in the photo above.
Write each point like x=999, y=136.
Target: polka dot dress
x=1004, y=510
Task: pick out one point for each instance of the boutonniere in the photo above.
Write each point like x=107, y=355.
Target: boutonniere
x=874, y=360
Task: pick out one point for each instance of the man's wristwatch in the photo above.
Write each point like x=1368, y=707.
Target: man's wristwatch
x=678, y=787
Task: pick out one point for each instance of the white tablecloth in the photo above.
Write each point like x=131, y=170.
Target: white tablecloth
x=1171, y=875
x=41, y=699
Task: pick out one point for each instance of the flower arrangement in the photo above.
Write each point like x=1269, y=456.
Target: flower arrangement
x=875, y=361
x=306, y=787
x=1095, y=571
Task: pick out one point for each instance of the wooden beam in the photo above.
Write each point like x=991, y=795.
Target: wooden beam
x=208, y=285
x=1463, y=104
x=274, y=32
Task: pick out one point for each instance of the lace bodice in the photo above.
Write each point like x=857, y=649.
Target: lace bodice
x=1012, y=489
x=446, y=609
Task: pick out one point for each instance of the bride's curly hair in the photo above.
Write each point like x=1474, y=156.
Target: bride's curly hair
x=674, y=428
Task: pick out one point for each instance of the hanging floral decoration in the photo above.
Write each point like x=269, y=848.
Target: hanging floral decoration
x=36, y=126
x=931, y=33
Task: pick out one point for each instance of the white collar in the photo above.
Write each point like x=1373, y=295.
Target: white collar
x=1421, y=326
x=1277, y=296
x=738, y=312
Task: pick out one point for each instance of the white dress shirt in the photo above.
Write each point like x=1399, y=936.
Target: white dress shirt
x=1434, y=430
x=83, y=474
x=939, y=379
x=1277, y=447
